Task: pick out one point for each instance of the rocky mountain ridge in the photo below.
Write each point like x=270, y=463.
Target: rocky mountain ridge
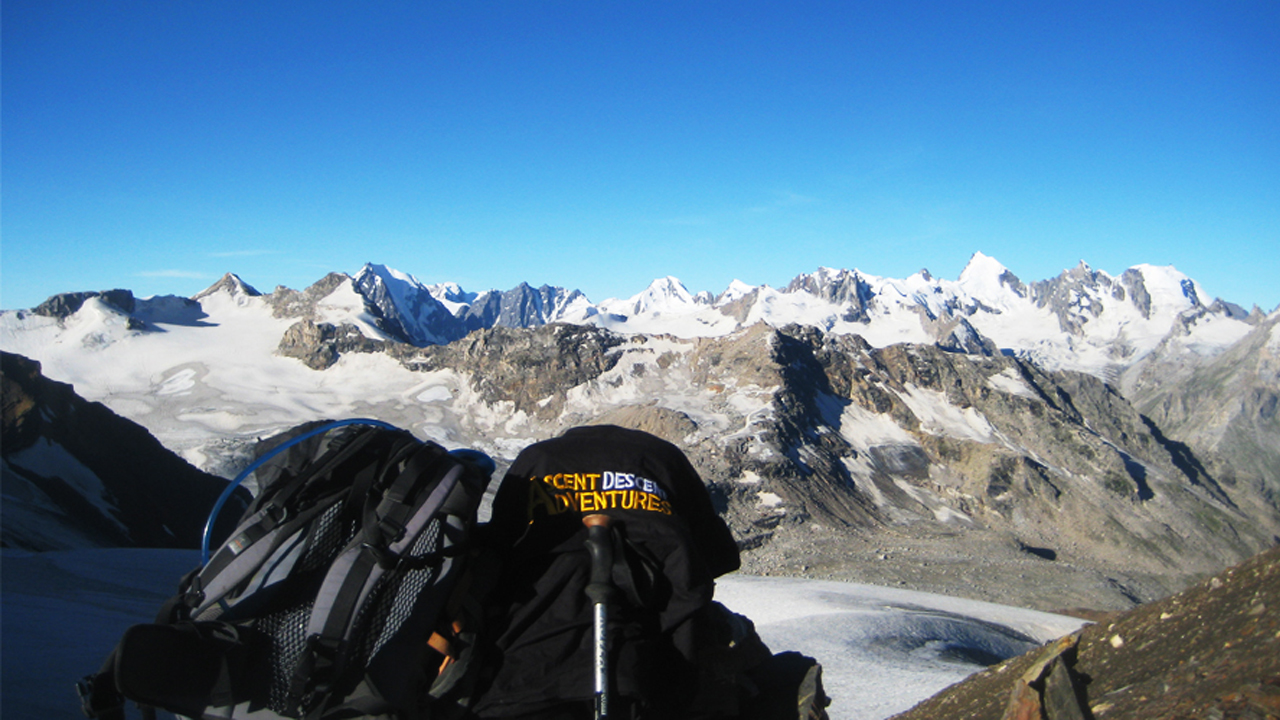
x=962, y=463
x=813, y=440
x=1084, y=319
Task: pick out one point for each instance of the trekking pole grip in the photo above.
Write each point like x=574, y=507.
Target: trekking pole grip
x=600, y=546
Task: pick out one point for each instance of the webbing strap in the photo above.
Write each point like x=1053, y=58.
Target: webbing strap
x=99, y=697
x=270, y=507
x=386, y=522
x=358, y=568
x=446, y=644
x=262, y=534
x=243, y=566
x=355, y=569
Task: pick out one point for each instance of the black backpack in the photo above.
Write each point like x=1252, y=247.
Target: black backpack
x=322, y=601
x=619, y=518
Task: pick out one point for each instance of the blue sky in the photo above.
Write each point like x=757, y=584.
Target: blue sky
x=598, y=145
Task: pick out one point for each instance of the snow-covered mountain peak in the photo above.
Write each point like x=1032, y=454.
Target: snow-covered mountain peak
x=835, y=286
x=983, y=264
x=987, y=279
x=736, y=290
x=450, y=291
x=666, y=294
x=1170, y=288
x=452, y=296
x=397, y=282
x=407, y=307
x=230, y=284
x=829, y=274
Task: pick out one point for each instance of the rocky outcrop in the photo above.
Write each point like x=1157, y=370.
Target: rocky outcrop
x=1060, y=461
x=64, y=305
x=483, y=312
x=958, y=335
x=1078, y=295
x=1212, y=651
x=288, y=303
x=78, y=475
x=841, y=287
x=319, y=345
x=529, y=369
x=523, y=306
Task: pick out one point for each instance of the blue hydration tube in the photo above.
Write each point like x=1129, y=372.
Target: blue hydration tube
x=231, y=488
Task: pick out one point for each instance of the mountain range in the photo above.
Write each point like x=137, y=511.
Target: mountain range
x=1084, y=319
x=1088, y=439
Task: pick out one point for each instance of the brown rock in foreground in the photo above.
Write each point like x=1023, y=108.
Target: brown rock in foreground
x=1212, y=652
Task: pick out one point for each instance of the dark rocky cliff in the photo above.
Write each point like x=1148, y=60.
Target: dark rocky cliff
x=77, y=474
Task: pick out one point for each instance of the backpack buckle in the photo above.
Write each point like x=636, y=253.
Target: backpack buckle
x=391, y=529
x=386, y=559
x=312, y=677
x=99, y=702
x=194, y=595
x=277, y=513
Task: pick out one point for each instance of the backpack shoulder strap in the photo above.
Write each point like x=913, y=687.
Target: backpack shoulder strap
x=261, y=534
x=388, y=531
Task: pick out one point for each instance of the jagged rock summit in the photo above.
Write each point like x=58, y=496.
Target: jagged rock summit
x=230, y=284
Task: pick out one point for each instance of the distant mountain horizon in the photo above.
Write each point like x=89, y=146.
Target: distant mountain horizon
x=1096, y=426
x=453, y=292
x=1082, y=319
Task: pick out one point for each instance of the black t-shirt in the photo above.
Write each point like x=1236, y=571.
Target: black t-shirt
x=543, y=617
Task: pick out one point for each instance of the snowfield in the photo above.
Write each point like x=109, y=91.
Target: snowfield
x=882, y=649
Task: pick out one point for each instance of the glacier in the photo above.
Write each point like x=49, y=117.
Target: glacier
x=882, y=649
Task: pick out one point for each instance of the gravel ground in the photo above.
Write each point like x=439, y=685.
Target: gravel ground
x=976, y=565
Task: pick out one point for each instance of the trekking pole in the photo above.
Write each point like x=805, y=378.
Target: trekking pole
x=601, y=591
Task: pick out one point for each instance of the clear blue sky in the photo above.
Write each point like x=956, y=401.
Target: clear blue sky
x=598, y=145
